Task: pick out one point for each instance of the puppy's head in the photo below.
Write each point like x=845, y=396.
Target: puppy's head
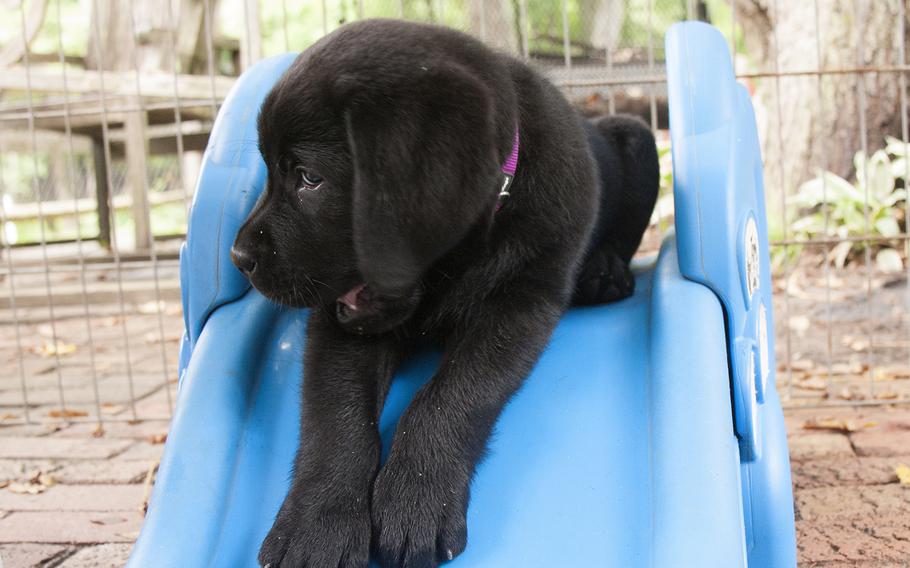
x=377, y=166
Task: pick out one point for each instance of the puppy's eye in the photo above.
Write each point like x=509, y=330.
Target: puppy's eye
x=307, y=180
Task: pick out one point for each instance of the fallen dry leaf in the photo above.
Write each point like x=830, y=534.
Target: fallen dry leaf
x=153, y=338
x=61, y=348
x=148, y=484
x=891, y=373
x=109, y=321
x=903, y=473
x=107, y=521
x=848, y=393
x=108, y=408
x=812, y=383
x=848, y=368
x=157, y=438
x=46, y=370
x=4, y=483
x=887, y=395
x=836, y=425
x=8, y=416
x=799, y=365
x=149, y=308
x=41, y=478
x=26, y=488
x=66, y=413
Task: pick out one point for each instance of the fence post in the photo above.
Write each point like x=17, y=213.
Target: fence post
x=251, y=39
x=137, y=147
x=102, y=192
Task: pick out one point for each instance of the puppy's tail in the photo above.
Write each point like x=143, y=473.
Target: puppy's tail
x=626, y=155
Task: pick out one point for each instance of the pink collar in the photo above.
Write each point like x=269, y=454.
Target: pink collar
x=508, y=171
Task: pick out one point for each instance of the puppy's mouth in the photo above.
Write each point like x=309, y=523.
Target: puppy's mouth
x=361, y=310
x=351, y=299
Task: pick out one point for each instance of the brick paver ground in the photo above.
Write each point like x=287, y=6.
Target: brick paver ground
x=851, y=509
x=93, y=482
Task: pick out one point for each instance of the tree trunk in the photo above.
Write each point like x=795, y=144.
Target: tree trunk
x=15, y=48
x=493, y=21
x=806, y=126
x=606, y=20
x=162, y=32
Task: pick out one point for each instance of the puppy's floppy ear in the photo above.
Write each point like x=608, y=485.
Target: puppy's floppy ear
x=425, y=167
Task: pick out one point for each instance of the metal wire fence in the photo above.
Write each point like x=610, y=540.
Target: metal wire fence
x=102, y=128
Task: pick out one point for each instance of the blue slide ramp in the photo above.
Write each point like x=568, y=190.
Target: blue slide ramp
x=650, y=433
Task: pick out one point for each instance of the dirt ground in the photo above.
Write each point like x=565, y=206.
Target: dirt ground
x=843, y=335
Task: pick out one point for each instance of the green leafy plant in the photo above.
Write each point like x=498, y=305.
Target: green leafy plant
x=831, y=207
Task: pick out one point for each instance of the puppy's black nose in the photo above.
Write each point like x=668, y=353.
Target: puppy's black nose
x=243, y=260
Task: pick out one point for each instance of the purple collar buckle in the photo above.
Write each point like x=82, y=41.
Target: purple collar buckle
x=508, y=172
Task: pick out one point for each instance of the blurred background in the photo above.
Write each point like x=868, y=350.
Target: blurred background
x=106, y=107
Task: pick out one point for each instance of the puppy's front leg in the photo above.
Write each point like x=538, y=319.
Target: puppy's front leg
x=325, y=519
x=420, y=496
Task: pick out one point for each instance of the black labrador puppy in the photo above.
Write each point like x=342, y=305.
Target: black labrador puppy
x=424, y=189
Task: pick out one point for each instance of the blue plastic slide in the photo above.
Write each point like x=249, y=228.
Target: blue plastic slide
x=650, y=433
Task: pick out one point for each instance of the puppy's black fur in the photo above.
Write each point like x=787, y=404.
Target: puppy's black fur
x=384, y=143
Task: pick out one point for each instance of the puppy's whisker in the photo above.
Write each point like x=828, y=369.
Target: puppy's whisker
x=311, y=292
x=294, y=293
x=312, y=286
x=320, y=282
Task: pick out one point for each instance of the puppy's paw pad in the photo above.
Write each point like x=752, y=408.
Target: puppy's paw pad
x=604, y=278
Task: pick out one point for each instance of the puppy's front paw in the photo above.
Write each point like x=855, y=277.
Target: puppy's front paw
x=306, y=535
x=418, y=518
